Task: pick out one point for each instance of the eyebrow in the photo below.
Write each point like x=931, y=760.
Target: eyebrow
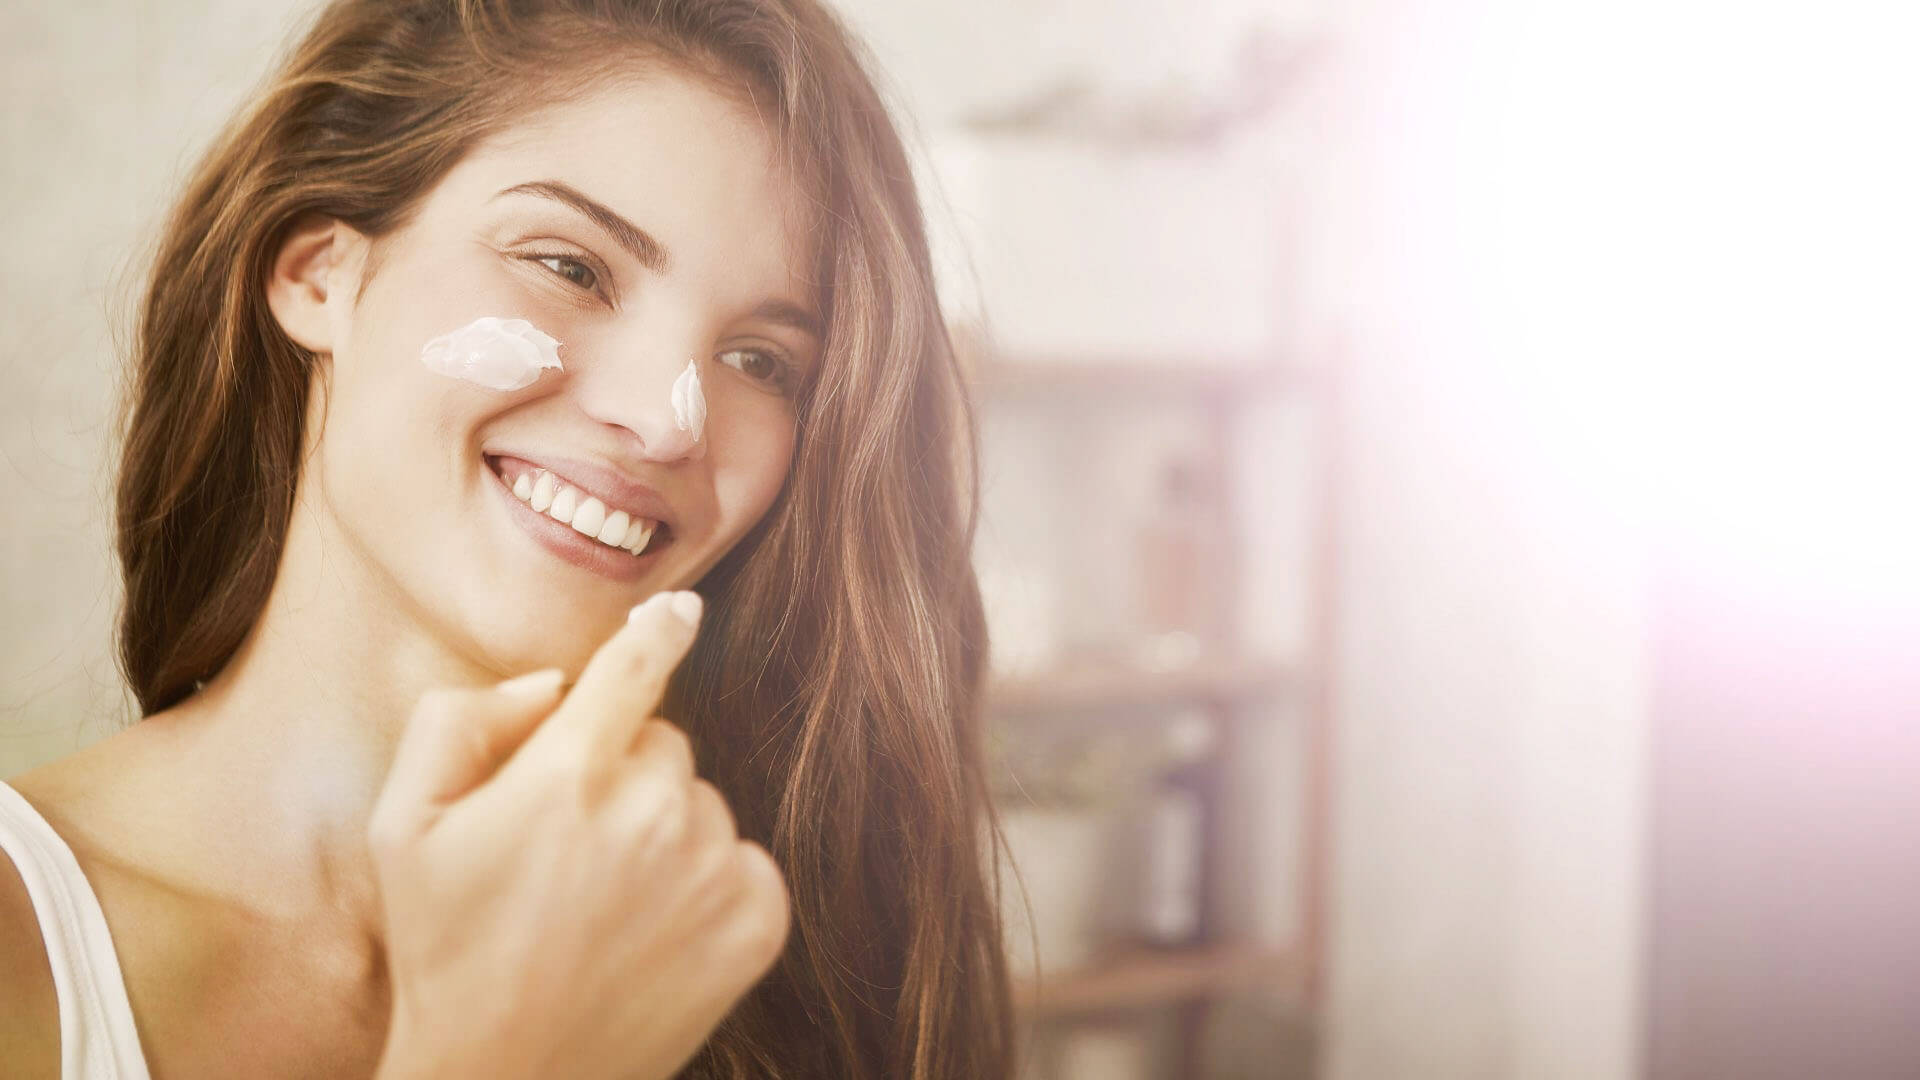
x=789, y=315
x=649, y=252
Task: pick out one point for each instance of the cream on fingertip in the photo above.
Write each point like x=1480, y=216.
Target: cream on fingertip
x=687, y=606
x=655, y=600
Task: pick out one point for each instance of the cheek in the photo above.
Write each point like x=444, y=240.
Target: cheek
x=398, y=416
x=750, y=460
x=405, y=417
x=392, y=453
x=397, y=442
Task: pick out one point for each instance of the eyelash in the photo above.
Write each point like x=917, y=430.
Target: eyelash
x=783, y=381
x=599, y=277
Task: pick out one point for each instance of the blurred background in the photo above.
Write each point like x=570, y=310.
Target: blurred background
x=1450, y=527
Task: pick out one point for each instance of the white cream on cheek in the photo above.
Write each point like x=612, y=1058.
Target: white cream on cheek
x=499, y=354
x=689, y=402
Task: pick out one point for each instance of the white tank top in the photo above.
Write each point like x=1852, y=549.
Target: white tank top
x=97, y=1038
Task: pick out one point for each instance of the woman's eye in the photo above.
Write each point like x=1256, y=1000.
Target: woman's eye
x=761, y=366
x=572, y=269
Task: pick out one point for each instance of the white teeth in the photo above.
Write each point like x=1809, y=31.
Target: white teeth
x=638, y=534
x=584, y=513
x=589, y=517
x=612, y=530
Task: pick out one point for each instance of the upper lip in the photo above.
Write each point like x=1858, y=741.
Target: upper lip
x=604, y=482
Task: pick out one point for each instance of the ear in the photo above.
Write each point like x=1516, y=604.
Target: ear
x=314, y=279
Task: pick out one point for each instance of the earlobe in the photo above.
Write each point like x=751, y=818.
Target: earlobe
x=311, y=267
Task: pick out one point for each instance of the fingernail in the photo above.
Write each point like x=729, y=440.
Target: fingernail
x=648, y=604
x=534, y=684
x=687, y=605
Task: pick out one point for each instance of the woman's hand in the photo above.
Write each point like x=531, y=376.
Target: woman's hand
x=585, y=909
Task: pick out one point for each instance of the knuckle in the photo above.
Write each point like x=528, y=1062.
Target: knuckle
x=562, y=770
x=554, y=763
x=594, y=781
x=713, y=806
x=770, y=908
x=766, y=927
x=590, y=786
x=714, y=878
x=657, y=808
x=670, y=744
x=676, y=740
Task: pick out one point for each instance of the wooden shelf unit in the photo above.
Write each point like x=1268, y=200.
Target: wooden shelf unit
x=1152, y=978
x=1111, y=686
x=1205, y=379
x=1187, y=980
x=994, y=374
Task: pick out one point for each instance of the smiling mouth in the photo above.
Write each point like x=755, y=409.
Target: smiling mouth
x=553, y=496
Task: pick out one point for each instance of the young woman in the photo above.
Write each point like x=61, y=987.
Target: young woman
x=749, y=840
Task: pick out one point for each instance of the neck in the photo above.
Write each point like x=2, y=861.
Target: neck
x=281, y=756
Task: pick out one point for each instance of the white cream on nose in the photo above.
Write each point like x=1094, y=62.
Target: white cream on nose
x=499, y=354
x=689, y=403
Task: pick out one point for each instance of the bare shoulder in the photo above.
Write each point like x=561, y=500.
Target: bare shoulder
x=29, y=1011
x=172, y=945
x=29, y=1006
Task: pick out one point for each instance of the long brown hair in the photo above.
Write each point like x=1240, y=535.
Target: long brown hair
x=841, y=660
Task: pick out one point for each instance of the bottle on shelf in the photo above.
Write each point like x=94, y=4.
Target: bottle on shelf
x=1173, y=836
x=1175, y=556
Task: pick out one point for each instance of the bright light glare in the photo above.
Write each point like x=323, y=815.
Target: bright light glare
x=1703, y=223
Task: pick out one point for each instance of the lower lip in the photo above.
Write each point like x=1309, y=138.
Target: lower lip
x=574, y=548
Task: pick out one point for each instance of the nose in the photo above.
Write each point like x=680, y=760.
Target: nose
x=638, y=397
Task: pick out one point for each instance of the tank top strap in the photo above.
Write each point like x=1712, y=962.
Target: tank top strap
x=98, y=1040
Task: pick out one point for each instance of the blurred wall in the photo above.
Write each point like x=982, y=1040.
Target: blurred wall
x=1784, y=915
x=1491, y=714
x=108, y=103
x=1488, y=785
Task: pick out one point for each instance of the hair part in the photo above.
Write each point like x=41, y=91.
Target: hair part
x=840, y=665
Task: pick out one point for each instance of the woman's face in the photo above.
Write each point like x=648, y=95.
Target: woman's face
x=644, y=227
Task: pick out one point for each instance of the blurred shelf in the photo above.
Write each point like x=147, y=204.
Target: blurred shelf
x=1039, y=376
x=1116, y=687
x=997, y=373
x=1145, y=978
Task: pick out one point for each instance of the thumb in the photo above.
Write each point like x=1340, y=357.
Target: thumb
x=456, y=739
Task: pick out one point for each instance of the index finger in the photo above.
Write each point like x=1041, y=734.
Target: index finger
x=623, y=683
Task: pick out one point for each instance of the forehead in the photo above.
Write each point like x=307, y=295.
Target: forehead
x=695, y=167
